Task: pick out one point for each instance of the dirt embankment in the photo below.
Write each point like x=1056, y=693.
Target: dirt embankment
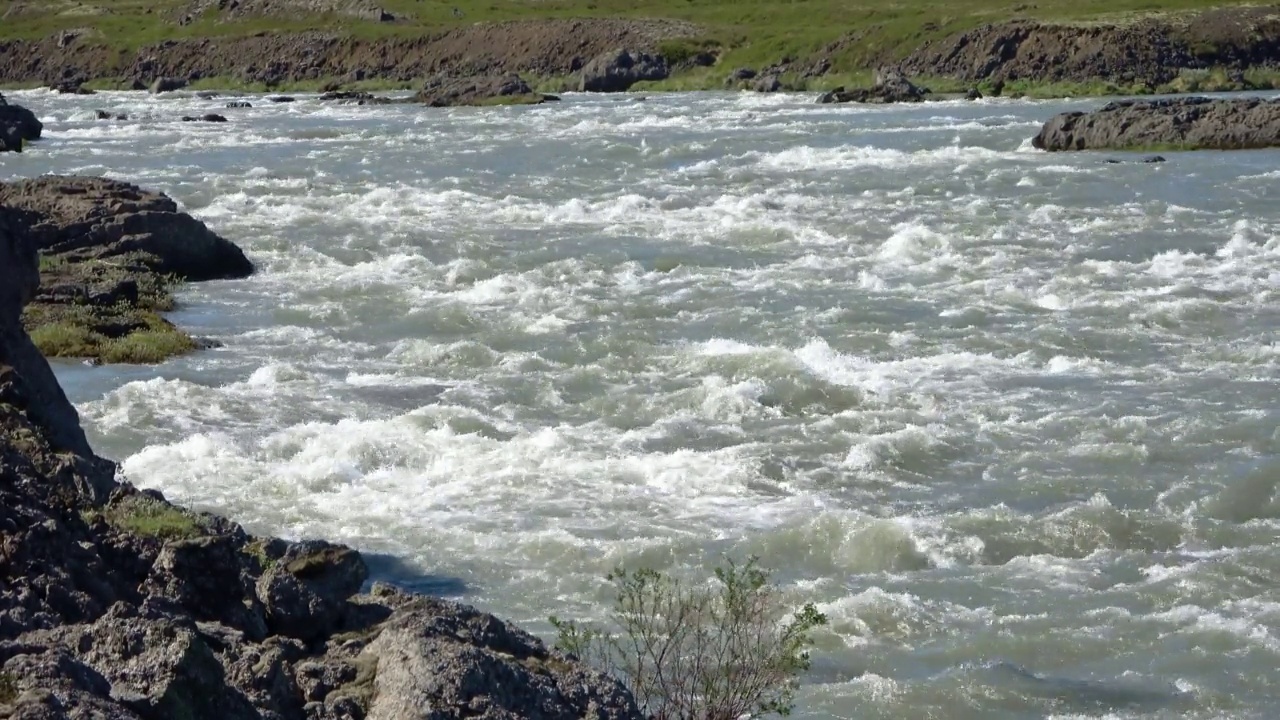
x=542, y=47
x=1149, y=51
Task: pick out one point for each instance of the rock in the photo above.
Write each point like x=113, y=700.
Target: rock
x=1186, y=123
x=738, y=76
x=281, y=99
x=208, y=117
x=442, y=91
x=973, y=94
x=238, y=104
x=208, y=94
x=889, y=87
x=433, y=654
x=617, y=71
x=18, y=125
x=305, y=592
x=71, y=87
x=102, y=115
x=767, y=84
x=354, y=97
x=207, y=577
x=167, y=84
x=156, y=666
x=101, y=218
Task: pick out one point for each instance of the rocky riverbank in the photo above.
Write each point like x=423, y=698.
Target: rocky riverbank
x=1178, y=124
x=1150, y=52
x=110, y=254
x=117, y=605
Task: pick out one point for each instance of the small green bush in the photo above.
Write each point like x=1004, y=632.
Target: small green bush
x=714, y=652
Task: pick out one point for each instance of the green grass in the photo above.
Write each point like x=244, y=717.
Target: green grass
x=852, y=35
x=143, y=516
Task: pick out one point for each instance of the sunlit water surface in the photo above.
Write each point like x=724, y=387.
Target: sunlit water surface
x=1008, y=418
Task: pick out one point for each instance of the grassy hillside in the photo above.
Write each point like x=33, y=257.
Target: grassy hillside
x=853, y=35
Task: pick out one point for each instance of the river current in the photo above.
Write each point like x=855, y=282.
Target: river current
x=1008, y=418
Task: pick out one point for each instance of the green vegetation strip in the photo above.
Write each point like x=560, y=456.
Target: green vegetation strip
x=755, y=33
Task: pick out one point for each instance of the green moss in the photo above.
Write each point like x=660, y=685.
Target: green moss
x=125, y=332
x=67, y=340
x=147, y=347
x=154, y=519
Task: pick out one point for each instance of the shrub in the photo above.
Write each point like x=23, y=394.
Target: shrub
x=709, y=652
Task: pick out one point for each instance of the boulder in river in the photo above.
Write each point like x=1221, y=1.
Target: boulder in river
x=167, y=84
x=889, y=87
x=116, y=604
x=618, y=70
x=510, y=89
x=18, y=125
x=1195, y=123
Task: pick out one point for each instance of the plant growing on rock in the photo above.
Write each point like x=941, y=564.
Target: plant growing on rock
x=700, y=652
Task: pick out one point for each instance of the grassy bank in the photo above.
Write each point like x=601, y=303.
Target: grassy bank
x=755, y=33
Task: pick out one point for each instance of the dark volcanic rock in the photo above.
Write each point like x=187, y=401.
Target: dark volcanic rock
x=102, y=218
x=1148, y=51
x=115, y=605
x=71, y=87
x=489, y=90
x=306, y=590
x=238, y=104
x=167, y=84
x=617, y=71
x=17, y=125
x=355, y=97
x=208, y=117
x=1186, y=123
x=890, y=87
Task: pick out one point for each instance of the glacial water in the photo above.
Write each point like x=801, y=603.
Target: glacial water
x=1009, y=418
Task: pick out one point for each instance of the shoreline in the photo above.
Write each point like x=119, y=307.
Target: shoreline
x=1054, y=51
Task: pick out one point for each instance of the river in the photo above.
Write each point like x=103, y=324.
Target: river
x=1008, y=418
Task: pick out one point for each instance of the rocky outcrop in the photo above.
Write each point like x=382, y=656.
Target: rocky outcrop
x=167, y=84
x=618, y=70
x=115, y=604
x=550, y=47
x=111, y=251
x=1150, y=51
x=889, y=87
x=1186, y=123
x=18, y=125
x=493, y=90
x=96, y=217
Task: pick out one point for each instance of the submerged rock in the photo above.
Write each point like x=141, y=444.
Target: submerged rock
x=1185, y=123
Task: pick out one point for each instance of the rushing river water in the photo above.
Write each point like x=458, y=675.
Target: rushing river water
x=1009, y=418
